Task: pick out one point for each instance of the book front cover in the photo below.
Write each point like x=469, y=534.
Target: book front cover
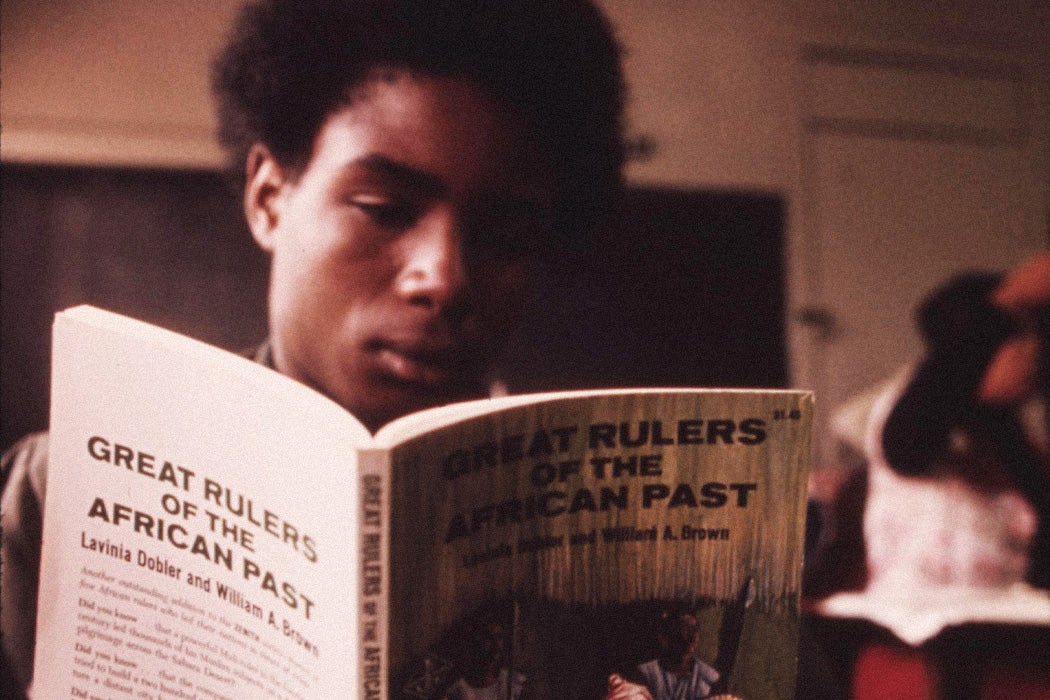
x=539, y=551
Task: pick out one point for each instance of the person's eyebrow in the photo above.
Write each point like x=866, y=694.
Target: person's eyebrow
x=398, y=173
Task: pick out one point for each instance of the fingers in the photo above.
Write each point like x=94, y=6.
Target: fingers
x=1027, y=286
x=1012, y=372
x=620, y=689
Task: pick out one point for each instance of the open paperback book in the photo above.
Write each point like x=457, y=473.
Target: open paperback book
x=214, y=529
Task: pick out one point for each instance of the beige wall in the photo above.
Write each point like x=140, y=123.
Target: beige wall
x=109, y=82
x=714, y=84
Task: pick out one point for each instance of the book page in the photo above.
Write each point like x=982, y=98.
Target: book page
x=198, y=514
x=552, y=540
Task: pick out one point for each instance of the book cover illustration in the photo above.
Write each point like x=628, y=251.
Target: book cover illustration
x=565, y=538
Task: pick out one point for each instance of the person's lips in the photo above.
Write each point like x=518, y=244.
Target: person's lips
x=427, y=363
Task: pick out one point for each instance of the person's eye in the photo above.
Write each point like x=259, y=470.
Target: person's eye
x=387, y=212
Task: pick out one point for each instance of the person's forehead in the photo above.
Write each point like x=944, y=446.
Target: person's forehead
x=412, y=127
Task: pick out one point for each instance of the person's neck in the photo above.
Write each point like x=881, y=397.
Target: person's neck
x=681, y=666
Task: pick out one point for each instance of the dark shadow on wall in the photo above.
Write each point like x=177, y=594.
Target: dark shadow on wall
x=683, y=288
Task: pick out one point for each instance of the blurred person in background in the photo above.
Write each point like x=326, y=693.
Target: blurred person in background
x=959, y=465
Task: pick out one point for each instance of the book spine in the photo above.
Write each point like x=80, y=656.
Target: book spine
x=374, y=584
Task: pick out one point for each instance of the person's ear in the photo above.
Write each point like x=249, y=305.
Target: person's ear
x=265, y=181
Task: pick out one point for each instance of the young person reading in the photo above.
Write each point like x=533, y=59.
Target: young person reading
x=404, y=163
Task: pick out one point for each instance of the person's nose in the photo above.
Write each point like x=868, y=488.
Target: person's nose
x=434, y=268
